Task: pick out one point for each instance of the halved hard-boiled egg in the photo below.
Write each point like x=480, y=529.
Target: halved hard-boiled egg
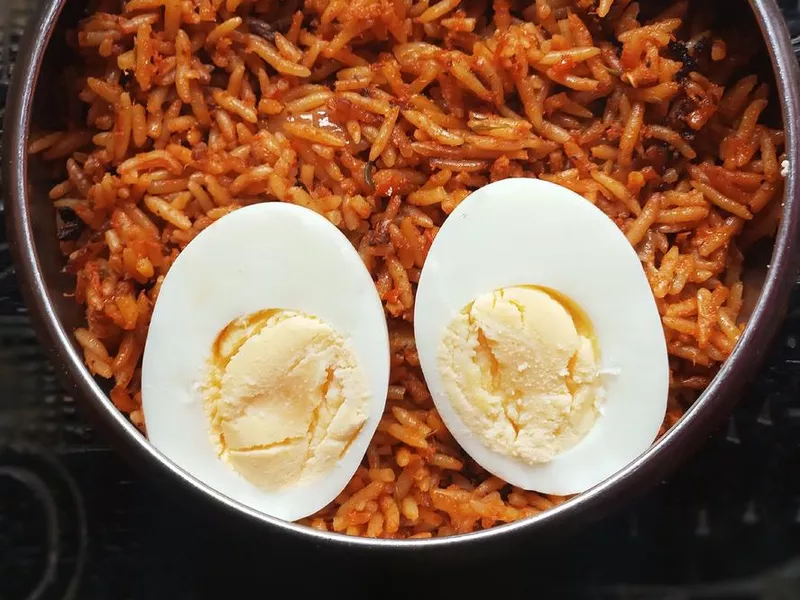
x=539, y=337
x=267, y=360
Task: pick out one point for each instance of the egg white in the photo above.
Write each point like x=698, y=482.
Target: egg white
x=264, y=256
x=531, y=232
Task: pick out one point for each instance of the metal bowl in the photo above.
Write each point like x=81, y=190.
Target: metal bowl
x=38, y=261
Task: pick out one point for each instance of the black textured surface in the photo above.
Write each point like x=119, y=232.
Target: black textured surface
x=77, y=522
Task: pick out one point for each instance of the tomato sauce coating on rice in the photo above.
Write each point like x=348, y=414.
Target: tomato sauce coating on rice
x=383, y=115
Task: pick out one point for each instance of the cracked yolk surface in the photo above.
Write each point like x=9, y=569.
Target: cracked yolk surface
x=285, y=397
x=521, y=370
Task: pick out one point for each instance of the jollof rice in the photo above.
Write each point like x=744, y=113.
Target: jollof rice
x=383, y=115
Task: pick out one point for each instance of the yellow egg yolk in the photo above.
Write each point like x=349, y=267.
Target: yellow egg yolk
x=285, y=397
x=521, y=370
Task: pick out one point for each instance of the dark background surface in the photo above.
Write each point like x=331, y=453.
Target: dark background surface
x=76, y=521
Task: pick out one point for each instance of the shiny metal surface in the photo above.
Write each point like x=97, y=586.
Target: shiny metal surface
x=38, y=264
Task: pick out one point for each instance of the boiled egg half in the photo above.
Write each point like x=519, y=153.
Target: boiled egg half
x=540, y=339
x=267, y=360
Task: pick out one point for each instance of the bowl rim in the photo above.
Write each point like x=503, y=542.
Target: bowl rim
x=661, y=458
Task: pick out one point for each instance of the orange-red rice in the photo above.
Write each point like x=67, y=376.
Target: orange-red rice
x=383, y=115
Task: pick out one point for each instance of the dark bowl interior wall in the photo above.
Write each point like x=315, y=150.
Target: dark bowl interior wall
x=51, y=104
